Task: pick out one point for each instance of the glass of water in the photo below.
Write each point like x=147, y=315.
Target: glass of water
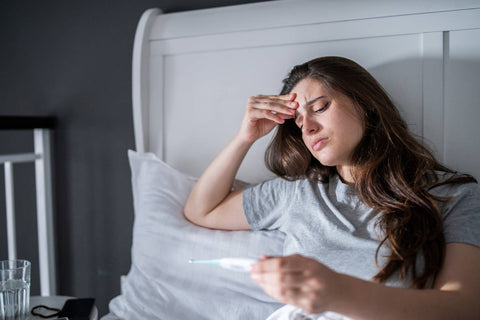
x=14, y=289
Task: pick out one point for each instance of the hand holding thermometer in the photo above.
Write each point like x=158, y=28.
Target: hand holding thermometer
x=235, y=264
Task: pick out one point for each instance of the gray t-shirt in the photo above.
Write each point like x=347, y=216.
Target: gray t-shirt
x=329, y=223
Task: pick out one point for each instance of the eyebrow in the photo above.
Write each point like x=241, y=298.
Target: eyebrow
x=308, y=103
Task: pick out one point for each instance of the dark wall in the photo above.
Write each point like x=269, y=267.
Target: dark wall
x=72, y=60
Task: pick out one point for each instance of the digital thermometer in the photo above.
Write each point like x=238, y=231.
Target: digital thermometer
x=235, y=264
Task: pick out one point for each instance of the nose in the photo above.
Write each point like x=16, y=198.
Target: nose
x=309, y=125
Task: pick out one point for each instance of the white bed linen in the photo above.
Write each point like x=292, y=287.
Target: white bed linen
x=289, y=312
x=161, y=284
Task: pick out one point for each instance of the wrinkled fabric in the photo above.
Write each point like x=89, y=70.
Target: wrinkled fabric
x=289, y=312
x=161, y=284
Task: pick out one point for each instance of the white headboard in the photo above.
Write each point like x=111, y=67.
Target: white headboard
x=194, y=71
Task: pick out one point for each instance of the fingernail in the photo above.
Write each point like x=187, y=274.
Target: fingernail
x=293, y=103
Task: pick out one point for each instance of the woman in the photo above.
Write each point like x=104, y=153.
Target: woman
x=370, y=217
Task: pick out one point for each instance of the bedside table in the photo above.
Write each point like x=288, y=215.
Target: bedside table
x=54, y=302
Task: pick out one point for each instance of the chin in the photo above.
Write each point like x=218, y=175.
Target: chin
x=327, y=162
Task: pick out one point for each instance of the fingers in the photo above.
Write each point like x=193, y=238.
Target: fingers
x=285, y=287
x=275, y=108
x=274, y=104
x=284, y=294
x=276, y=116
x=296, y=280
x=264, y=112
x=290, y=272
x=286, y=97
x=275, y=264
x=285, y=279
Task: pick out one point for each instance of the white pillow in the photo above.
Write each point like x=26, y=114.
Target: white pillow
x=161, y=284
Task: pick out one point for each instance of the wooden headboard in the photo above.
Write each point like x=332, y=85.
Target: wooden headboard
x=194, y=71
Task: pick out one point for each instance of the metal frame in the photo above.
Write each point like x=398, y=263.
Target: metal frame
x=43, y=181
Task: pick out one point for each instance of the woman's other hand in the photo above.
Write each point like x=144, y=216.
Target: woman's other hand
x=296, y=280
x=263, y=113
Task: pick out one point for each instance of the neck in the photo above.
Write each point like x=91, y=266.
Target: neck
x=346, y=174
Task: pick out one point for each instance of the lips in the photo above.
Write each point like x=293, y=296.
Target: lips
x=317, y=144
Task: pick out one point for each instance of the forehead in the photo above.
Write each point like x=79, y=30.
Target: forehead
x=310, y=88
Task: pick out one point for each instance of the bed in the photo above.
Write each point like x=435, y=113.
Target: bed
x=192, y=74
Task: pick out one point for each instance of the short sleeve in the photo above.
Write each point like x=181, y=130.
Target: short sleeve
x=462, y=213
x=264, y=203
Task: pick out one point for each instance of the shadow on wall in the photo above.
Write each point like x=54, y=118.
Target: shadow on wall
x=447, y=129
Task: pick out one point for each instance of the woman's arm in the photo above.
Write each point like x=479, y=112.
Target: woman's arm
x=315, y=288
x=212, y=203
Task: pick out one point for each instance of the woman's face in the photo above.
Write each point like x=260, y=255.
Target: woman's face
x=331, y=124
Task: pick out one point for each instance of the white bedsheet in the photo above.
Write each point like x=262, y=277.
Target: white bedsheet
x=161, y=284
x=289, y=312
x=110, y=316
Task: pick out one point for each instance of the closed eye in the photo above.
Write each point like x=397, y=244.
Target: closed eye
x=320, y=110
x=324, y=108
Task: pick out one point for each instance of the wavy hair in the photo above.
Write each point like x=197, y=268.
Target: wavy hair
x=393, y=171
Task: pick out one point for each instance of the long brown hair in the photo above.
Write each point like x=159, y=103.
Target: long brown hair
x=393, y=171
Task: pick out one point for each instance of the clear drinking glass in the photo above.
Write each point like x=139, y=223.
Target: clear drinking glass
x=14, y=289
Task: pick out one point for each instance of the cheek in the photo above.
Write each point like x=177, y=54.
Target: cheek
x=351, y=138
x=347, y=137
x=357, y=134
x=352, y=129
